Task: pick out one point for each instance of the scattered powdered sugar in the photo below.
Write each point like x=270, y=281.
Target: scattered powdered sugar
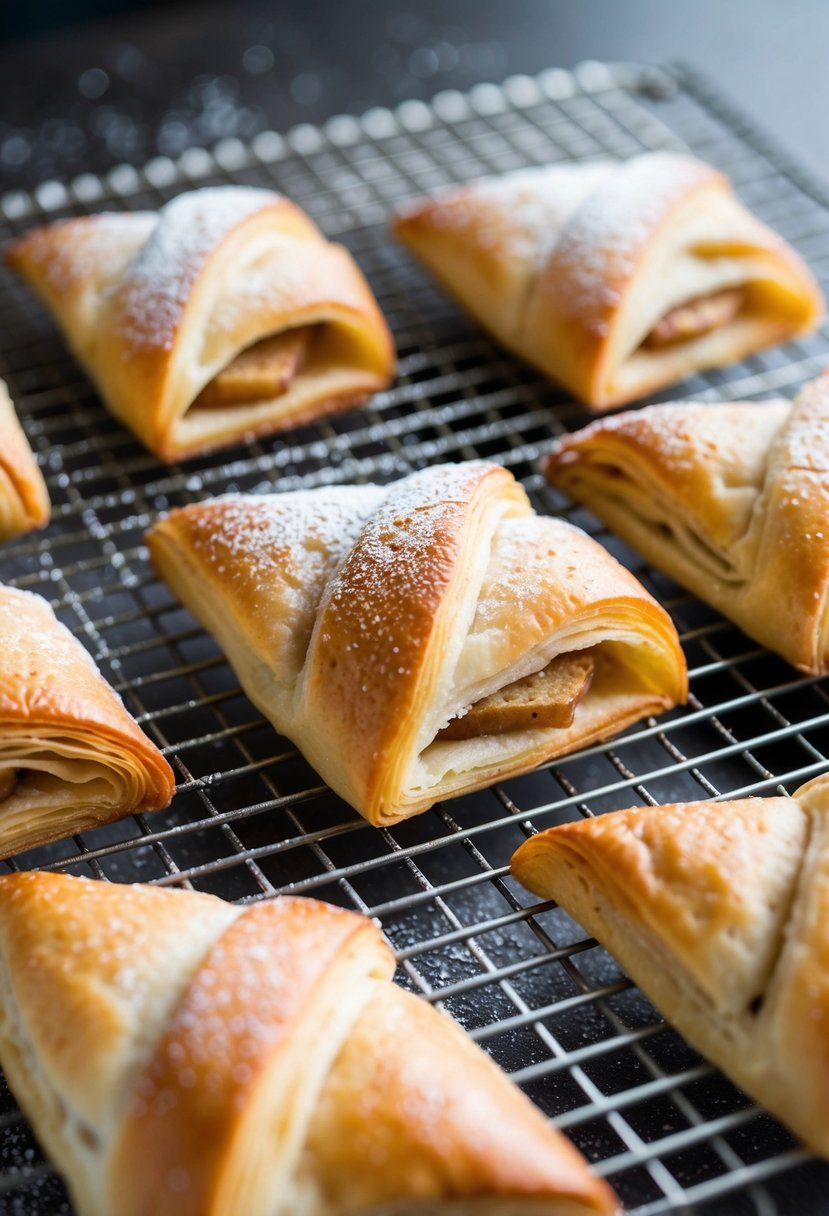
x=519, y=214
x=601, y=244
x=262, y=529
x=404, y=558
x=161, y=278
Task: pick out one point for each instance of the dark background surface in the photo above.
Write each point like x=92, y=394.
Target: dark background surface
x=154, y=79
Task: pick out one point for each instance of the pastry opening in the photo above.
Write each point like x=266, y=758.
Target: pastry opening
x=598, y=689
x=547, y=698
x=696, y=317
x=264, y=371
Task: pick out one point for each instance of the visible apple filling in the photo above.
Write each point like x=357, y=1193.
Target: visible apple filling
x=262, y=372
x=8, y=780
x=695, y=318
x=547, y=698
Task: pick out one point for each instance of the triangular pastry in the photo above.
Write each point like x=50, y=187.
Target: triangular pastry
x=363, y=620
x=181, y=1056
x=24, y=499
x=719, y=911
x=71, y=757
x=173, y=314
x=615, y=278
x=730, y=500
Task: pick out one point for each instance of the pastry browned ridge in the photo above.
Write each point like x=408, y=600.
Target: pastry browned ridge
x=202, y=1058
x=222, y=316
x=731, y=500
x=365, y=620
x=719, y=912
x=615, y=278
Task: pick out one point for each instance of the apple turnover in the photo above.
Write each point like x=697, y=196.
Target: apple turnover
x=224, y=315
x=615, y=278
x=24, y=499
x=730, y=500
x=71, y=757
x=424, y=639
x=719, y=911
x=254, y=1061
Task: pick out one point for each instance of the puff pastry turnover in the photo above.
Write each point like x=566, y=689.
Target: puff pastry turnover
x=720, y=913
x=615, y=278
x=71, y=757
x=731, y=500
x=201, y=1059
x=365, y=621
x=24, y=499
x=224, y=315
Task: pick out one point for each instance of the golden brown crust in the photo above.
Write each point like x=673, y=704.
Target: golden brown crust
x=718, y=911
x=413, y=1104
x=575, y=275
x=155, y=306
x=362, y=620
x=730, y=500
x=210, y=1059
x=24, y=499
x=239, y=1042
x=67, y=733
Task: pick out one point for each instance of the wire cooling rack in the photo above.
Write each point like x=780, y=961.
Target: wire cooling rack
x=250, y=817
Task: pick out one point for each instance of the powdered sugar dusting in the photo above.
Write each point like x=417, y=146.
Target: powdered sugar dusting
x=160, y=280
x=520, y=214
x=407, y=545
x=601, y=244
x=262, y=530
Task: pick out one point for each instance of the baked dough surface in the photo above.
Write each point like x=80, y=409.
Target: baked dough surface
x=179, y=1055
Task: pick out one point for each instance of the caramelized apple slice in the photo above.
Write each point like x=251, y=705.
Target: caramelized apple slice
x=263, y=371
x=546, y=698
x=696, y=318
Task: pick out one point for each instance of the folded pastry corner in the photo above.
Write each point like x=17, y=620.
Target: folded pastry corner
x=71, y=757
x=424, y=639
x=200, y=1057
x=730, y=500
x=224, y=315
x=615, y=279
x=719, y=911
x=24, y=499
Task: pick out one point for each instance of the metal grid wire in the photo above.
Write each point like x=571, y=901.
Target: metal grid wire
x=250, y=817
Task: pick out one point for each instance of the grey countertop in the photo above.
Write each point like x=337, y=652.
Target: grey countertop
x=156, y=81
